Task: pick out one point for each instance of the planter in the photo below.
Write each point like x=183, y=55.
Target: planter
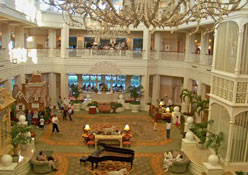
x=134, y=108
x=77, y=106
x=120, y=109
x=86, y=108
x=15, y=158
x=23, y=147
x=83, y=105
x=200, y=145
x=213, y=159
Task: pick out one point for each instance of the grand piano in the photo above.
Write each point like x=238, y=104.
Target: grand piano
x=106, y=152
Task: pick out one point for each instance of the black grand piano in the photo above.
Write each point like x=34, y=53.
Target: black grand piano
x=106, y=152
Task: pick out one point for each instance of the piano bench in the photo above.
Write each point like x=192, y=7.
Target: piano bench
x=83, y=159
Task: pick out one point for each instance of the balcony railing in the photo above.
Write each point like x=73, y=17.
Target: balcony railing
x=21, y=55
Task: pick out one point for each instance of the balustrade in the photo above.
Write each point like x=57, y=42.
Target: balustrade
x=21, y=55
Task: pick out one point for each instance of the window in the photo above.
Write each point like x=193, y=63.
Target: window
x=135, y=80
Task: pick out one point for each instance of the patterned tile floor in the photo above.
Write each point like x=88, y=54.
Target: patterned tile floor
x=148, y=145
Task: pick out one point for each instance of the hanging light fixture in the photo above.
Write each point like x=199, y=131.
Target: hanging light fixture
x=152, y=13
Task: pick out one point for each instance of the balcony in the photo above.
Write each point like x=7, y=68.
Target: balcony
x=38, y=55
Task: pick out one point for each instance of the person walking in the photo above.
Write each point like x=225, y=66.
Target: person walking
x=168, y=129
x=29, y=118
x=55, y=122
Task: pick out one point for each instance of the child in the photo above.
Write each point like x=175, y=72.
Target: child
x=155, y=125
x=42, y=122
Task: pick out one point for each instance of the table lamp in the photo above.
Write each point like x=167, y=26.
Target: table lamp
x=127, y=128
x=167, y=109
x=87, y=128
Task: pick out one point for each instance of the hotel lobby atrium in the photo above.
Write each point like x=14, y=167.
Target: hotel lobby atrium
x=135, y=87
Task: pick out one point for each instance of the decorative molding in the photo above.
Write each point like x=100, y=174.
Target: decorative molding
x=105, y=67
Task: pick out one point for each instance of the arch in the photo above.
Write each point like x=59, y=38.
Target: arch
x=239, y=151
x=221, y=118
x=105, y=67
x=226, y=46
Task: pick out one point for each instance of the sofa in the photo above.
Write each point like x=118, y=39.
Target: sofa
x=179, y=166
x=41, y=167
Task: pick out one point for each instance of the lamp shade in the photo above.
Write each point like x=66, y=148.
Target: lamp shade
x=167, y=109
x=126, y=128
x=161, y=103
x=87, y=127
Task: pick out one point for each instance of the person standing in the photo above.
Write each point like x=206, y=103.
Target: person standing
x=42, y=122
x=59, y=102
x=55, y=122
x=168, y=129
x=29, y=118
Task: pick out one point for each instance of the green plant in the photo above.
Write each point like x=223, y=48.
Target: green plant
x=94, y=103
x=201, y=105
x=76, y=90
x=116, y=105
x=200, y=130
x=188, y=97
x=214, y=141
x=135, y=92
x=239, y=172
x=13, y=110
x=19, y=136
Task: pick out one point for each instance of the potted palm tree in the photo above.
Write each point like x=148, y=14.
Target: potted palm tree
x=200, y=131
x=135, y=92
x=76, y=91
x=214, y=141
x=19, y=136
x=201, y=106
x=187, y=97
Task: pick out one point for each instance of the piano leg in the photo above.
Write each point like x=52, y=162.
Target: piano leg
x=92, y=165
x=131, y=164
x=96, y=164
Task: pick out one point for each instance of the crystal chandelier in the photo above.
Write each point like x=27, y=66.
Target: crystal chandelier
x=152, y=13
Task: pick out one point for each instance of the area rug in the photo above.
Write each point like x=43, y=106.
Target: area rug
x=71, y=131
x=144, y=164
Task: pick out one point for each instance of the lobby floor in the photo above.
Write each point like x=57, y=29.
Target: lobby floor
x=148, y=145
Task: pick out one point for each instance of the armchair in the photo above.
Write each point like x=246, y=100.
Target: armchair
x=41, y=167
x=180, y=166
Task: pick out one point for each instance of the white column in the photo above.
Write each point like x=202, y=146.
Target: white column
x=145, y=84
x=19, y=80
x=215, y=47
x=188, y=47
x=64, y=85
x=204, y=47
x=7, y=85
x=51, y=42
x=6, y=38
x=158, y=44
x=64, y=39
x=52, y=88
x=156, y=90
x=79, y=80
x=146, y=43
x=19, y=39
x=239, y=52
x=199, y=88
x=229, y=144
